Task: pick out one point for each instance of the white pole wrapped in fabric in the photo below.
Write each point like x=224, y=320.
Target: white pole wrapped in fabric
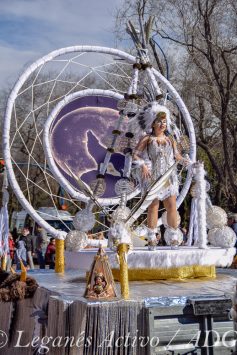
x=4, y=219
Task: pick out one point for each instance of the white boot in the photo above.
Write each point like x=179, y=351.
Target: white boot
x=173, y=237
x=151, y=236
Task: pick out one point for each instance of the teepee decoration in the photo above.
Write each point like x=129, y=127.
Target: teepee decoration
x=100, y=283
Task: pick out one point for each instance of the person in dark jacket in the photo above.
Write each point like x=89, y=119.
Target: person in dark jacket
x=27, y=238
x=41, y=246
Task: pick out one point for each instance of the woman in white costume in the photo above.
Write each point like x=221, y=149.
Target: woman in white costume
x=161, y=150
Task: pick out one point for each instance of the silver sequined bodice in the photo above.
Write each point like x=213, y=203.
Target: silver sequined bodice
x=161, y=156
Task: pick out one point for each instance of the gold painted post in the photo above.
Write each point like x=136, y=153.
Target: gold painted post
x=59, y=256
x=123, y=274
x=23, y=272
x=4, y=262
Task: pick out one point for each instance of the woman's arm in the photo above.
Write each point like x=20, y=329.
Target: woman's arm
x=137, y=157
x=178, y=156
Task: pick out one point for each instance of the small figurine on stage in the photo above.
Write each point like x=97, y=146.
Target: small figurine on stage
x=101, y=282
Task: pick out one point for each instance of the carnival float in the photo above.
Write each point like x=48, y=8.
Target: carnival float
x=77, y=115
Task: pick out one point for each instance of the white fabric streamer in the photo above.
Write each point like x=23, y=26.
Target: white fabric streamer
x=201, y=205
x=4, y=226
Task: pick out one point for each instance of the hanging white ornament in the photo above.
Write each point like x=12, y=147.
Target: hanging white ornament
x=124, y=186
x=98, y=187
x=141, y=231
x=76, y=240
x=84, y=220
x=121, y=213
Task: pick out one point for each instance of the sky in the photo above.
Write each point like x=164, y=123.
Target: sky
x=30, y=29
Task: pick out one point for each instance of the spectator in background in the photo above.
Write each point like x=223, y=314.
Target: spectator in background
x=50, y=253
x=11, y=252
x=232, y=221
x=28, y=240
x=14, y=234
x=234, y=225
x=20, y=254
x=41, y=246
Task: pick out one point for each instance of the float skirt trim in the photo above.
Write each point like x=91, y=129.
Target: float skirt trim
x=180, y=273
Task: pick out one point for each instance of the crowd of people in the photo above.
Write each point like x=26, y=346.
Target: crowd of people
x=28, y=248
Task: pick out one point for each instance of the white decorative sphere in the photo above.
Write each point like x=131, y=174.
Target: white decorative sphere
x=141, y=231
x=216, y=217
x=124, y=186
x=223, y=237
x=173, y=237
x=164, y=219
x=84, y=221
x=121, y=213
x=75, y=241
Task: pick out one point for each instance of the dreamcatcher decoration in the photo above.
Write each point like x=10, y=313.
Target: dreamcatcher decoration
x=41, y=95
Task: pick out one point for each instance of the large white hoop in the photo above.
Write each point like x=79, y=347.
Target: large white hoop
x=10, y=106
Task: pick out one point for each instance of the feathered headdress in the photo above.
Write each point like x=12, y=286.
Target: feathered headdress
x=144, y=119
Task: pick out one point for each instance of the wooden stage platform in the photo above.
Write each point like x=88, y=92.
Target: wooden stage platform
x=58, y=310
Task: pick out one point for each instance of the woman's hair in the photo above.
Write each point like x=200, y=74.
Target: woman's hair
x=160, y=115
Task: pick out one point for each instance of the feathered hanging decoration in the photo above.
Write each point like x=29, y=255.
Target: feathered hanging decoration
x=86, y=190
x=148, y=28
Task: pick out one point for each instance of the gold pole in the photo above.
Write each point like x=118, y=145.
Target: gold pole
x=59, y=256
x=4, y=262
x=23, y=272
x=122, y=249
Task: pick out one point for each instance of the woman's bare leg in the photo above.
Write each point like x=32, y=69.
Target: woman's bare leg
x=170, y=206
x=152, y=215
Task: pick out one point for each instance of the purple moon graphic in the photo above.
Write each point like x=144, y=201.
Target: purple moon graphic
x=79, y=138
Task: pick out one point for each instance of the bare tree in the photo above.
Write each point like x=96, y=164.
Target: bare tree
x=203, y=34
